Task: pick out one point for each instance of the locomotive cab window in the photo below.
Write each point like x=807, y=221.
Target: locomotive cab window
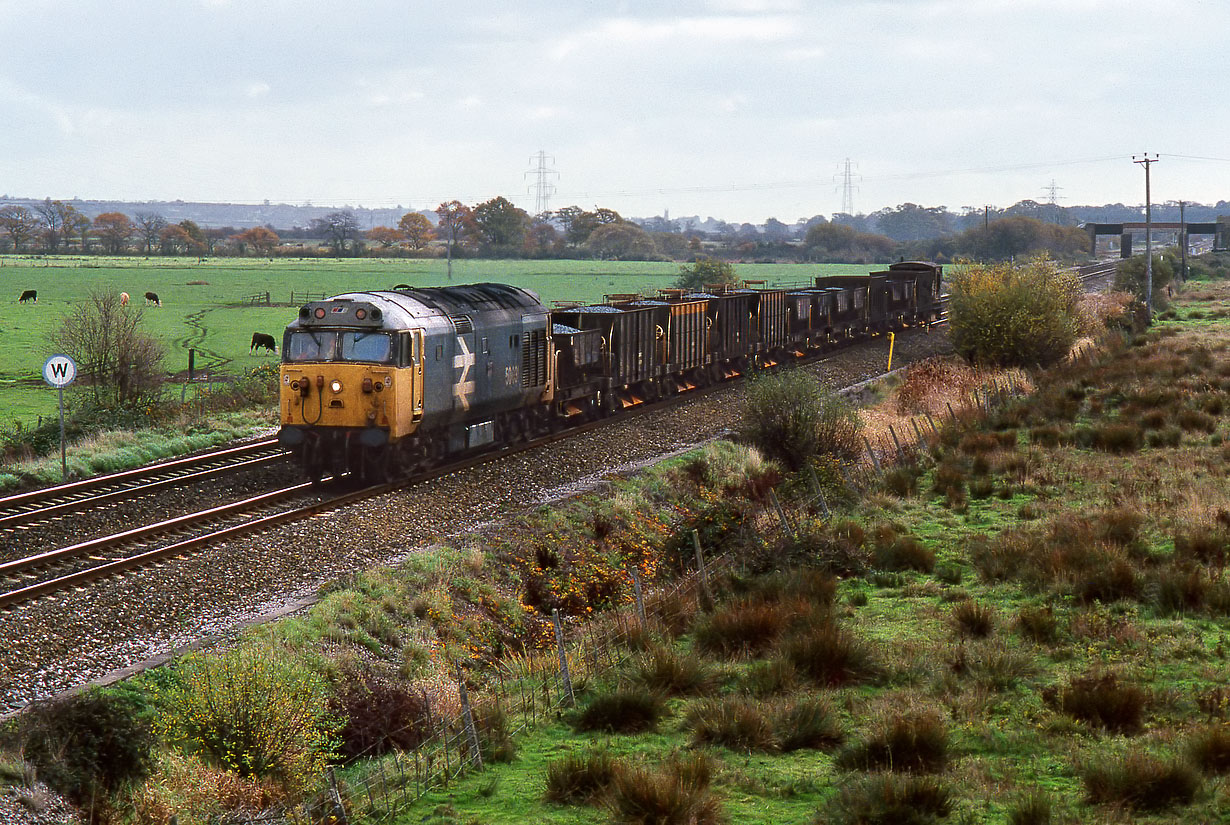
x=311, y=346
x=367, y=346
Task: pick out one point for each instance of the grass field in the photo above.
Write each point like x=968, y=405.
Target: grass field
x=206, y=302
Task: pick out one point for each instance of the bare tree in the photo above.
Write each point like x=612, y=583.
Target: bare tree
x=149, y=225
x=338, y=228
x=19, y=223
x=119, y=360
x=58, y=219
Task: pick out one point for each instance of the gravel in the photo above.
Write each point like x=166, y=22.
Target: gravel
x=114, y=627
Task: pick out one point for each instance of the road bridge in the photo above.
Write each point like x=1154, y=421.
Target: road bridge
x=1178, y=232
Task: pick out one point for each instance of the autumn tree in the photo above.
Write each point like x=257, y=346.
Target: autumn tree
x=149, y=225
x=621, y=242
x=583, y=224
x=454, y=216
x=196, y=236
x=417, y=229
x=174, y=239
x=19, y=224
x=501, y=224
x=262, y=239
x=214, y=234
x=119, y=360
x=114, y=228
x=705, y=271
x=77, y=225
x=386, y=236
x=541, y=240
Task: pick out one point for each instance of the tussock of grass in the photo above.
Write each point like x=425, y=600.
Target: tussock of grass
x=1103, y=700
x=889, y=799
x=908, y=740
x=628, y=710
x=1140, y=781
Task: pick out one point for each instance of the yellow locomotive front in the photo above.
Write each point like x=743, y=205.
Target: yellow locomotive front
x=348, y=387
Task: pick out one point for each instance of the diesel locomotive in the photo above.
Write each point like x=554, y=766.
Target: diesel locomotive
x=378, y=384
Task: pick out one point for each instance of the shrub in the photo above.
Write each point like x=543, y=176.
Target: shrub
x=1031, y=809
x=948, y=478
x=904, y=553
x=830, y=655
x=807, y=722
x=769, y=678
x=1046, y=435
x=973, y=619
x=1181, y=589
x=668, y=671
x=982, y=487
x=792, y=417
x=253, y=711
x=1202, y=543
x=581, y=778
x=1190, y=419
x=1013, y=313
x=746, y=626
x=1103, y=700
x=1209, y=748
x=88, y=745
x=1117, y=437
x=671, y=797
x=735, y=722
x=911, y=741
x=901, y=481
x=889, y=799
x=381, y=714
x=1141, y=782
x=629, y=710
x=1038, y=624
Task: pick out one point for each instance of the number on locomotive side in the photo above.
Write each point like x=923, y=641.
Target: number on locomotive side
x=512, y=375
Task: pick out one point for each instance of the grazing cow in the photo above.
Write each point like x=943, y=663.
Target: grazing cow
x=123, y=299
x=260, y=339
x=152, y=298
x=28, y=295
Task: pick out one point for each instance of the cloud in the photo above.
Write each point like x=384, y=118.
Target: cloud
x=258, y=89
x=639, y=32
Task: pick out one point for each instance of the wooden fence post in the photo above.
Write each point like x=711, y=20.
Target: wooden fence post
x=640, y=596
x=874, y=461
x=700, y=556
x=570, y=699
x=900, y=452
x=781, y=514
x=815, y=482
x=467, y=718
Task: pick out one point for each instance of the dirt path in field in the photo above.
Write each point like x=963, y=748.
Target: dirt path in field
x=206, y=358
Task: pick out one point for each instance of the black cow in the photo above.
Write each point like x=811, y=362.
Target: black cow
x=28, y=295
x=260, y=339
x=152, y=298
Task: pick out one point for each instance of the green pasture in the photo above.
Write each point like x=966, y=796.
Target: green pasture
x=206, y=303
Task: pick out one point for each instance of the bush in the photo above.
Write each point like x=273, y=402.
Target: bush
x=1141, y=782
x=1011, y=314
x=1103, y=700
x=735, y=722
x=973, y=619
x=88, y=745
x=889, y=799
x=792, y=418
x=630, y=710
x=1209, y=749
x=581, y=778
x=913, y=741
x=1118, y=437
x=254, y=712
x=1031, y=809
x=381, y=714
x=830, y=656
x=667, y=671
x=678, y=796
x=904, y=553
x=746, y=626
x=807, y=722
x=1038, y=624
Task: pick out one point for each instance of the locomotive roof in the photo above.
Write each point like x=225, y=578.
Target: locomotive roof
x=467, y=299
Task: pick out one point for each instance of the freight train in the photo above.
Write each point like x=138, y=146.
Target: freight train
x=380, y=384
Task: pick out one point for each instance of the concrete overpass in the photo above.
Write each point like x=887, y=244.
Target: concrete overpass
x=1179, y=231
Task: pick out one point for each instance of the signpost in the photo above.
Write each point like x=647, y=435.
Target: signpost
x=59, y=371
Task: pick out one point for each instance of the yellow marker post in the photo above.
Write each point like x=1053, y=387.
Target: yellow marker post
x=892, y=339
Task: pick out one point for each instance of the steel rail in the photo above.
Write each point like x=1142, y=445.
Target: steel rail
x=86, y=501
x=93, y=482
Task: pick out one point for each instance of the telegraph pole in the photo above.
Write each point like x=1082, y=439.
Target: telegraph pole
x=1147, y=161
x=1183, y=241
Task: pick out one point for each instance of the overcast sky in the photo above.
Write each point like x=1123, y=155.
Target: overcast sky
x=740, y=109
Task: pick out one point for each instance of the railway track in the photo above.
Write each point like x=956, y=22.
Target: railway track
x=74, y=566
x=23, y=510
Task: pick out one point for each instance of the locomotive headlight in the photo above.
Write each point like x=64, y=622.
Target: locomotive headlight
x=336, y=386
x=360, y=314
